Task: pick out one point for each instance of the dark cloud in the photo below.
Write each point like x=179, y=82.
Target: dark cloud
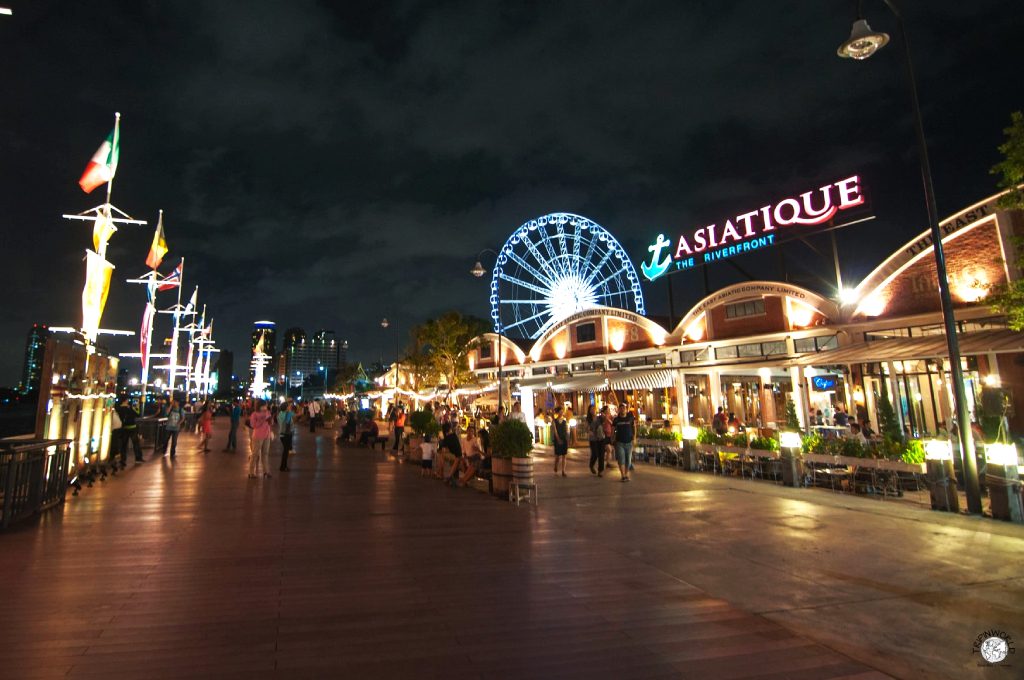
x=326, y=164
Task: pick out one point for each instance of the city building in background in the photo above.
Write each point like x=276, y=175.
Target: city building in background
x=35, y=346
x=225, y=374
x=306, y=364
x=264, y=343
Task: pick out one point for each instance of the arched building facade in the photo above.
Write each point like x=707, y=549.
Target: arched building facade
x=751, y=346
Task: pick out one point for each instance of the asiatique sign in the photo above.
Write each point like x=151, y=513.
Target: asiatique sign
x=753, y=230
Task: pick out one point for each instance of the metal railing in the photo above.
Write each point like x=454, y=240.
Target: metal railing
x=33, y=476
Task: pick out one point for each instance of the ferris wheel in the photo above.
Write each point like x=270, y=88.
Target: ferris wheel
x=556, y=265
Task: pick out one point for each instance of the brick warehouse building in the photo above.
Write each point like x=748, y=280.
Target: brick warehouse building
x=751, y=346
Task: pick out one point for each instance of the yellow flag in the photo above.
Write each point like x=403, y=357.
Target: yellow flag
x=94, y=294
x=102, y=230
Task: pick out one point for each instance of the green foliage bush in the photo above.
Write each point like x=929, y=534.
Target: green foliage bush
x=706, y=435
x=511, y=439
x=764, y=443
x=914, y=453
x=659, y=434
x=422, y=422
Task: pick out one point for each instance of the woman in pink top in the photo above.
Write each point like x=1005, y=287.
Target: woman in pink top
x=206, y=427
x=259, y=447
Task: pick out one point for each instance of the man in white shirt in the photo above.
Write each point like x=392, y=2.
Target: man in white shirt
x=517, y=413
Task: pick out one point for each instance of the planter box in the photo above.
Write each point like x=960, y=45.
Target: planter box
x=869, y=463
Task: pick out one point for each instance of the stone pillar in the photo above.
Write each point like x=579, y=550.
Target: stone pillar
x=894, y=394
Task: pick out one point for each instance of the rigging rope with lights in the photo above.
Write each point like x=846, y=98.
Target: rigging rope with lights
x=556, y=265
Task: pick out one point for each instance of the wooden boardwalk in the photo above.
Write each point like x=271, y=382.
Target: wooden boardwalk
x=352, y=566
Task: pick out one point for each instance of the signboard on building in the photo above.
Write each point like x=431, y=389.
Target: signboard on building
x=752, y=230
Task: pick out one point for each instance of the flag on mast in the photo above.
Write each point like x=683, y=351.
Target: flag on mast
x=193, y=301
x=172, y=280
x=102, y=229
x=146, y=334
x=158, y=248
x=103, y=165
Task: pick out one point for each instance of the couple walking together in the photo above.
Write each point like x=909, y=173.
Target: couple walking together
x=261, y=422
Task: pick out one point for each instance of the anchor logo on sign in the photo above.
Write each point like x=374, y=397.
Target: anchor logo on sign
x=658, y=266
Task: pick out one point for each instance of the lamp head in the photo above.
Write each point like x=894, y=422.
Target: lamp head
x=384, y=323
x=478, y=270
x=863, y=42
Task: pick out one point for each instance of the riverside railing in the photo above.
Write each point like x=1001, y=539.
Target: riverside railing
x=33, y=477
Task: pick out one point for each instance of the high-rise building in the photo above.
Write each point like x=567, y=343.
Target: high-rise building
x=35, y=346
x=264, y=336
x=306, y=359
x=268, y=331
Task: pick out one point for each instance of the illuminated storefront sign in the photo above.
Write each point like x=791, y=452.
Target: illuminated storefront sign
x=752, y=230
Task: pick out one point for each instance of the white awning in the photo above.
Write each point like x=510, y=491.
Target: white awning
x=642, y=380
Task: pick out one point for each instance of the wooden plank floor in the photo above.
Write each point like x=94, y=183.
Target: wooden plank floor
x=353, y=566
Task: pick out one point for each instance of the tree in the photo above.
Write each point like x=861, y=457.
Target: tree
x=1008, y=298
x=445, y=344
x=888, y=424
x=1012, y=166
x=792, y=420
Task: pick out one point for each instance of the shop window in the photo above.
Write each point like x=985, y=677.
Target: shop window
x=770, y=348
x=586, y=332
x=587, y=366
x=688, y=356
x=827, y=342
x=750, y=350
x=738, y=310
x=725, y=352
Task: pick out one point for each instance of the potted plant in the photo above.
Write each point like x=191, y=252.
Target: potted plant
x=509, y=439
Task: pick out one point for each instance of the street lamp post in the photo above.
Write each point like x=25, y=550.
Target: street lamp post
x=862, y=43
x=384, y=323
x=478, y=271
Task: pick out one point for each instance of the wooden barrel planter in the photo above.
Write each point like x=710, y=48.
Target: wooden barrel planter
x=501, y=475
x=522, y=470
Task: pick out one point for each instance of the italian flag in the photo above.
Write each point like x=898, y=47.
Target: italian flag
x=103, y=165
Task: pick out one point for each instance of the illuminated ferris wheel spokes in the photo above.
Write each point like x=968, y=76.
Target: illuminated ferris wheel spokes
x=555, y=266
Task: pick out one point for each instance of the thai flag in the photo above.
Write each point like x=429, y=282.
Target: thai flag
x=173, y=280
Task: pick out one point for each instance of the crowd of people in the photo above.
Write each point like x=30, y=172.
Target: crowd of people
x=463, y=433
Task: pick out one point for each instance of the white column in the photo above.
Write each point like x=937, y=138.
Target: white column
x=800, y=398
x=715, y=386
x=526, y=403
x=682, y=401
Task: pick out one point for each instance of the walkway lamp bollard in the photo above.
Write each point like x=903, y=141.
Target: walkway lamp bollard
x=478, y=271
x=938, y=458
x=689, y=448
x=862, y=43
x=1003, y=481
x=790, y=444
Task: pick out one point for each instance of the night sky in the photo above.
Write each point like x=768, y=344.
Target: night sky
x=324, y=164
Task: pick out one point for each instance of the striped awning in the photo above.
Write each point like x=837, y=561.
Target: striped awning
x=642, y=380
x=924, y=347
x=600, y=382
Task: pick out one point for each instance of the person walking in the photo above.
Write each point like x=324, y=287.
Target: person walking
x=205, y=427
x=609, y=430
x=236, y=417
x=560, y=433
x=260, y=443
x=625, y=431
x=399, y=428
x=175, y=418
x=285, y=422
x=595, y=429
x=129, y=431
